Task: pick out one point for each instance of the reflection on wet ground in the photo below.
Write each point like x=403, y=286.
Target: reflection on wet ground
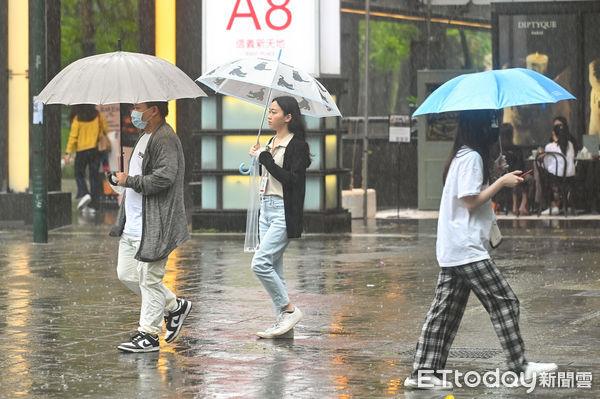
x=364, y=296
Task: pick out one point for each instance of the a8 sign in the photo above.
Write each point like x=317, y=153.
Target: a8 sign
x=269, y=16
x=234, y=29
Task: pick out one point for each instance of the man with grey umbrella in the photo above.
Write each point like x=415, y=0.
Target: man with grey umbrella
x=152, y=223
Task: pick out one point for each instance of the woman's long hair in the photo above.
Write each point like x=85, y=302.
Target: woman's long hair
x=570, y=137
x=83, y=112
x=562, y=134
x=562, y=120
x=475, y=132
x=290, y=106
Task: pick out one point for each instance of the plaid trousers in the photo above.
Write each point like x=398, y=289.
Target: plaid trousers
x=451, y=295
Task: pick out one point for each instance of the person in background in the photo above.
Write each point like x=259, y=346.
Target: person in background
x=515, y=159
x=464, y=224
x=87, y=125
x=562, y=121
x=561, y=143
x=152, y=223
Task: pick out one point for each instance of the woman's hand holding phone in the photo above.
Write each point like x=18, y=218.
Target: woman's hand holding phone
x=526, y=173
x=511, y=179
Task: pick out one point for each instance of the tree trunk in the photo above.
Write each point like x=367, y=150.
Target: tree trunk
x=466, y=52
x=88, y=44
x=394, y=85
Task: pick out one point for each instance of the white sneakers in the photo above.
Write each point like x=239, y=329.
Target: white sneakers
x=428, y=382
x=555, y=211
x=86, y=199
x=284, y=323
x=533, y=369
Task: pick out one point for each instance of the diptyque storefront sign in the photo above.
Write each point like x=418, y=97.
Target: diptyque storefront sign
x=234, y=29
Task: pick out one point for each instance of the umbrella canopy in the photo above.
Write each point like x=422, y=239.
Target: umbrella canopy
x=119, y=77
x=493, y=90
x=253, y=79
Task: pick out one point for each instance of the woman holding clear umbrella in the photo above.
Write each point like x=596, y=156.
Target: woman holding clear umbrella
x=284, y=161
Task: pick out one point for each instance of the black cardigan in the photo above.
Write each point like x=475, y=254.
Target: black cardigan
x=292, y=177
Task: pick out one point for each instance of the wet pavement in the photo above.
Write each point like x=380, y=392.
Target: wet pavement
x=364, y=296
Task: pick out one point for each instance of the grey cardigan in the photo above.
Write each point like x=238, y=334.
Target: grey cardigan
x=161, y=185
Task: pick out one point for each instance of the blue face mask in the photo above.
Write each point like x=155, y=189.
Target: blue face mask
x=136, y=119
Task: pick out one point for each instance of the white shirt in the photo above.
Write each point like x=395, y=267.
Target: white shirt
x=133, y=200
x=551, y=162
x=463, y=235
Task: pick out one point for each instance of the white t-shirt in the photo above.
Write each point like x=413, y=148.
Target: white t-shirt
x=463, y=236
x=133, y=200
x=551, y=162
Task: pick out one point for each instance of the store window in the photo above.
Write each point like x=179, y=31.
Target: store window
x=235, y=192
x=209, y=152
x=238, y=114
x=209, y=112
x=331, y=192
x=209, y=192
x=312, y=199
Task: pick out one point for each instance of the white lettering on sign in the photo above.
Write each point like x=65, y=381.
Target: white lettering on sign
x=537, y=25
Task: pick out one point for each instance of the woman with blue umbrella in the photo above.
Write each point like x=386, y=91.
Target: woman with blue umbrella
x=494, y=89
x=464, y=225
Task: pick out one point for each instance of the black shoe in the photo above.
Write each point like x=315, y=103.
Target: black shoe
x=141, y=342
x=174, y=320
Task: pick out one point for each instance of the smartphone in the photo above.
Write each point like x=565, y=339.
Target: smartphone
x=526, y=173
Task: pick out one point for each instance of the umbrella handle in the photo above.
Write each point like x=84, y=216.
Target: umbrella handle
x=111, y=178
x=243, y=165
x=245, y=172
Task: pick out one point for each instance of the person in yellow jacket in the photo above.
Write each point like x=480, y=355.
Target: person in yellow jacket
x=87, y=125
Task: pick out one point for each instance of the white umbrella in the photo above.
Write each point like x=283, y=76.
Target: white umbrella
x=259, y=80
x=119, y=77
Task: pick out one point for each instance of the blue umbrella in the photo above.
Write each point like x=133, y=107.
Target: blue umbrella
x=493, y=90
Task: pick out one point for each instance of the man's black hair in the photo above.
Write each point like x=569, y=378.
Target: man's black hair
x=163, y=107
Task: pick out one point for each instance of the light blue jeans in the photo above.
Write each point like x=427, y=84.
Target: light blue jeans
x=267, y=263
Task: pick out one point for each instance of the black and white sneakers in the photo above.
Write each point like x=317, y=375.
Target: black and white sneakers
x=141, y=342
x=174, y=320
x=144, y=342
